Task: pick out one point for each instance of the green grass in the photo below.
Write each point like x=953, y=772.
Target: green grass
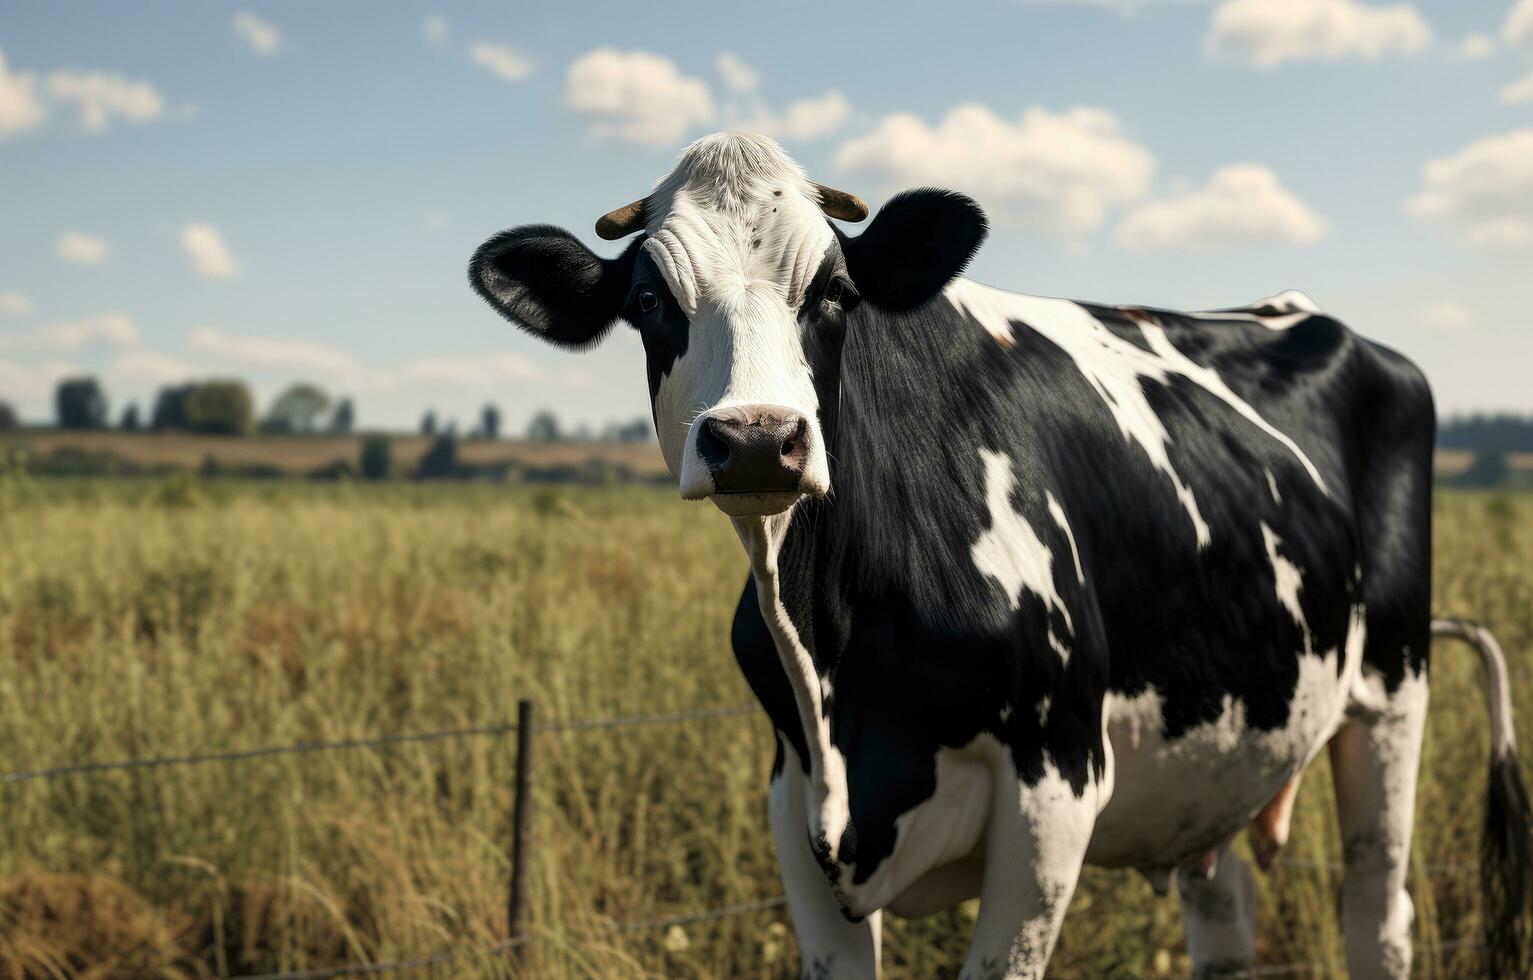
x=153, y=618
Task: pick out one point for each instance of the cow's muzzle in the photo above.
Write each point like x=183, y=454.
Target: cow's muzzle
x=757, y=458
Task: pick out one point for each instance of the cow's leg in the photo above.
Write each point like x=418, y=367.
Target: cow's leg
x=1374, y=758
x=1034, y=846
x=830, y=946
x=1219, y=913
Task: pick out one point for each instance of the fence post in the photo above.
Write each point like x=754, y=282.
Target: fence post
x=521, y=831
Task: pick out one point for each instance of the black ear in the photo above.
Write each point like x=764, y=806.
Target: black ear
x=545, y=281
x=918, y=242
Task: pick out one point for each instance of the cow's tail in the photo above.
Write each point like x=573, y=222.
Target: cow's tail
x=1506, y=852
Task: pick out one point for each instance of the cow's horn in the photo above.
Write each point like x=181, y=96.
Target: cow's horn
x=621, y=223
x=840, y=204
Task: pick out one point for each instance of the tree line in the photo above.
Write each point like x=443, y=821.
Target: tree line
x=227, y=407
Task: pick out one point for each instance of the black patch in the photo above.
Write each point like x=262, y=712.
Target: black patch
x=666, y=331
x=1506, y=871
x=545, y=281
x=916, y=244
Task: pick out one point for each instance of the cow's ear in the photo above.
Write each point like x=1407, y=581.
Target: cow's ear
x=918, y=242
x=544, y=280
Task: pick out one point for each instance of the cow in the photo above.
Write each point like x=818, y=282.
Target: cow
x=1034, y=583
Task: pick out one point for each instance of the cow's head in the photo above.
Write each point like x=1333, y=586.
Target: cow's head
x=742, y=292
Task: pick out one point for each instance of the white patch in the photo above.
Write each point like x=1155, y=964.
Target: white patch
x=1290, y=301
x=737, y=233
x=1277, y=498
x=823, y=933
x=829, y=810
x=1164, y=808
x=1011, y=553
x=1291, y=306
x=1289, y=582
x=1116, y=369
x=1034, y=844
x=1058, y=513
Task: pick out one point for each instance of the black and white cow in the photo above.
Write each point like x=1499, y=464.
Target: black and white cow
x=1034, y=583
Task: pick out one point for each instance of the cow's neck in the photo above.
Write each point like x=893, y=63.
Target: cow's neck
x=774, y=573
x=803, y=561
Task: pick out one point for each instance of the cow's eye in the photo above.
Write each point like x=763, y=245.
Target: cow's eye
x=839, y=292
x=648, y=300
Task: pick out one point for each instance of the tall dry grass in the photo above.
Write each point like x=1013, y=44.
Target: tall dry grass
x=160, y=618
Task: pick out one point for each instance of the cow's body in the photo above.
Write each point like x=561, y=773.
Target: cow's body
x=1034, y=583
x=1181, y=523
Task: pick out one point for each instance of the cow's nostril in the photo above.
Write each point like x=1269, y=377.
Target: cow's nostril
x=713, y=444
x=788, y=447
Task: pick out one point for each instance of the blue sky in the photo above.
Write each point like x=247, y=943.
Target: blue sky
x=290, y=191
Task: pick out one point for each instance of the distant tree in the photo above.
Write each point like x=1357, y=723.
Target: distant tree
x=1504, y=433
x=544, y=427
x=297, y=409
x=640, y=429
x=8, y=419
x=451, y=428
x=1488, y=469
x=377, y=462
x=582, y=433
x=489, y=422
x=221, y=407
x=129, y=422
x=441, y=459
x=428, y=424
x=170, y=408
x=81, y=404
x=343, y=418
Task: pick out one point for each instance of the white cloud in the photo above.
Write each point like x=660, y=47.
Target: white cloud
x=20, y=108
x=1125, y=5
x=1266, y=33
x=14, y=304
x=501, y=60
x=1484, y=192
x=102, y=97
x=76, y=246
x=1059, y=171
x=155, y=368
x=111, y=329
x=255, y=350
x=1475, y=47
x=262, y=37
x=434, y=29
x=1242, y=205
x=806, y=119
x=636, y=96
x=1448, y=315
x=1519, y=23
x=738, y=74
x=1518, y=92
x=210, y=256
x=34, y=382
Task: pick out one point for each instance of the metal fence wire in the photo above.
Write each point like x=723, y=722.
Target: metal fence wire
x=519, y=939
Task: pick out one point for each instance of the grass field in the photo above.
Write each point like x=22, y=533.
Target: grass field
x=161, y=617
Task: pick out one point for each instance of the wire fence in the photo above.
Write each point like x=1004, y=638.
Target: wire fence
x=519, y=938
x=365, y=742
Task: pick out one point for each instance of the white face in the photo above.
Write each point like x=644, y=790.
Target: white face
x=737, y=238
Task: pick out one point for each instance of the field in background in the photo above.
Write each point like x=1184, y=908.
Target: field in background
x=159, y=617
x=300, y=454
